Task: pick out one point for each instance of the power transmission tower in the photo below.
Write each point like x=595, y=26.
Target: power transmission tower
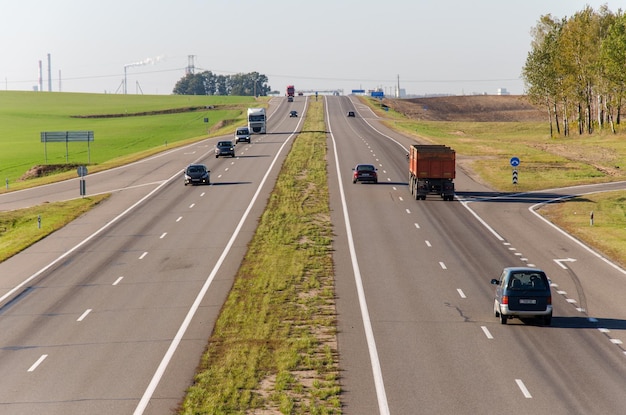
x=191, y=67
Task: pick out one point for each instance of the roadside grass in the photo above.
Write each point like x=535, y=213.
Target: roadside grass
x=485, y=149
x=126, y=127
x=21, y=228
x=273, y=349
x=607, y=232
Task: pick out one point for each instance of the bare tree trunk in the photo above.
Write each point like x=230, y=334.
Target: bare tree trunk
x=556, y=119
x=601, y=107
x=565, y=121
x=581, y=119
x=549, y=117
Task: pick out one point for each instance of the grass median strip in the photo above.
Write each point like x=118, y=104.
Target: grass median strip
x=273, y=348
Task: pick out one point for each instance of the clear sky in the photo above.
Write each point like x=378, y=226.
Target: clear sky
x=432, y=46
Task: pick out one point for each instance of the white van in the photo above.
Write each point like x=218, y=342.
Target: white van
x=242, y=134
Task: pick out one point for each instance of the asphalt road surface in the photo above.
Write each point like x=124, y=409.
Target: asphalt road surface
x=417, y=332
x=111, y=313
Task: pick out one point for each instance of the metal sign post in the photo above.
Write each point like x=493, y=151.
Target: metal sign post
x=514, y=163
x=66, y=137
x=82, y=172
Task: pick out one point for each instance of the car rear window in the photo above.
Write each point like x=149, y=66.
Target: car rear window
x=528, y=281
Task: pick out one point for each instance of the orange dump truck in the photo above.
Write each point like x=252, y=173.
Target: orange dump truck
x=431, y=170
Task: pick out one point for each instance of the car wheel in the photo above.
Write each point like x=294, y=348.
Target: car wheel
x=503, y=318
x=353, y=181
x=547, y=320
x=216, y=156
x=496, y=312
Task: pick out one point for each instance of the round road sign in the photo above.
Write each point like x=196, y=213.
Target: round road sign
x=514, y=161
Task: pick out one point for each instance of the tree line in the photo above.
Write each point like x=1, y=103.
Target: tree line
x=576, y=68
x=208, y=83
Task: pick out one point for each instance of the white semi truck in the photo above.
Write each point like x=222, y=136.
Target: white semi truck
x=257, y=121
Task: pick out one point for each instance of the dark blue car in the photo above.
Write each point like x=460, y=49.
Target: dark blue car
x=523, y=293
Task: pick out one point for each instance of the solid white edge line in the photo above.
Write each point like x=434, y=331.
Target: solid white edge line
x=465, y=204
x=534, y=207
x=84, y=241
x=383, y=405
x=156, y=378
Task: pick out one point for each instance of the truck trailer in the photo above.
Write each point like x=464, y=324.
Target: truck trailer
x=291, y=91
x=431, y=170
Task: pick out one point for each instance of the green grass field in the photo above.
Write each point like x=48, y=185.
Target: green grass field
x=123, y=126
x=485, y=149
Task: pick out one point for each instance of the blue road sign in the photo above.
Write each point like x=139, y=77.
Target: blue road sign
x=514, y=161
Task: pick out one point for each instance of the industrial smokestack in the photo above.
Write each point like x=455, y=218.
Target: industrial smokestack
x=49, y=74
x=40, y=76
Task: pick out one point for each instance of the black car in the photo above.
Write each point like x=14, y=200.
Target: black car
x=350, y=114
x=365, y=173
x=224, y=148
x=293, y=113
x=523, y=292
x=197, y=174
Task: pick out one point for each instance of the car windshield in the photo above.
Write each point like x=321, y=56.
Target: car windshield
x=195, y=169
x=223, y=144
x=365, y=168
x=533, y=281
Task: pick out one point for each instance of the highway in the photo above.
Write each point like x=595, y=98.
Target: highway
x=111, y=314
x=415, y=302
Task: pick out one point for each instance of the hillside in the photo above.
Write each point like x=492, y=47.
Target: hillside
x=480, y=108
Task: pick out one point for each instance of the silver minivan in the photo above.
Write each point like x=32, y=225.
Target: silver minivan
x=242, y=134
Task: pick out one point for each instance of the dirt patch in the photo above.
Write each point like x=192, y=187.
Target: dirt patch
x=480, y=108
x=46, y=170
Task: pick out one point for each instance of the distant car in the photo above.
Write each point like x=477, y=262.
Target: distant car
x=289, y=99
x=293, y=113
x=197, y=174
x=242, y=134
x=365, y=173
x=351, y=114
x=523, y=293
x=224, y=148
